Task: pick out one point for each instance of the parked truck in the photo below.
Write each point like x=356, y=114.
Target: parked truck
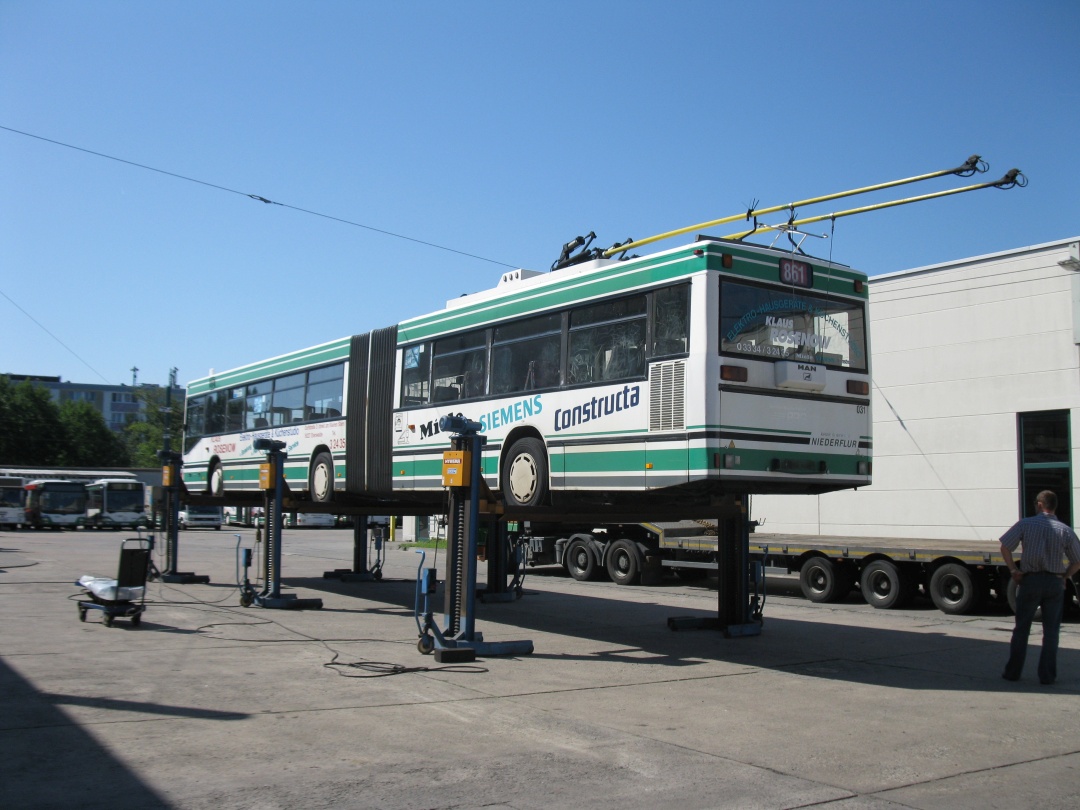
x=960, y=576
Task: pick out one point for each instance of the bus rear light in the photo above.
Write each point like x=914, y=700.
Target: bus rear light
x=726, y=260
x=726, y=461
x=699, y=252
x=866, y=467
x=860, y=387
x=733, y=373
x=859, y=285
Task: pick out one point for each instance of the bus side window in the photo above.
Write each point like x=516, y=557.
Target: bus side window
x=234, y=410
x=459, y=366
x=257, y=409
x=325, y=387
x=415, y=365
x=526, y=355
x=607, y=341
x=215, y=413
x=196, y=416
x=671, y=321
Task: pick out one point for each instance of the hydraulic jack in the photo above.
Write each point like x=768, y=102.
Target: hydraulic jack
x=741, y=592
x=272, y=481
x=458, y=640
x=170, y=475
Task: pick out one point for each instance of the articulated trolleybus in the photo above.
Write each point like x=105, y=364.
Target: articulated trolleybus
x=628, y=387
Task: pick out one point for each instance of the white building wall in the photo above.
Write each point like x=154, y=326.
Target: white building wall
x=958, y=351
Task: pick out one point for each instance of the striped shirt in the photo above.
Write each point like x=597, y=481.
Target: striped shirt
x=1046, y=543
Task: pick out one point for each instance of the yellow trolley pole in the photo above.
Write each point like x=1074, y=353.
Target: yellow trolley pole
x=972, y=165
x=1011, y=179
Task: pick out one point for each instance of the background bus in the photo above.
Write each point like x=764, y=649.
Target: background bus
x=113, y=503
x=12, y=499
x=55, y=504
x=201, y=517
x=66, y=473
x=655, y=385
x=311, y=520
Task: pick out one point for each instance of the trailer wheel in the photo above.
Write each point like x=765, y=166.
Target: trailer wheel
x=884, y=586
x=580, y=561
x=524, y=476
x=624, y=562
x=136, y=620
x=822, y=580
x=108, y=619
x=82, y=613
x=954, y=589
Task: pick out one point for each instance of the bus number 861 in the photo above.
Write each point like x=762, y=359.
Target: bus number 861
x=796, y=273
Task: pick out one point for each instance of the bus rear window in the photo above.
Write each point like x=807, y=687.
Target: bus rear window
x=782, y=324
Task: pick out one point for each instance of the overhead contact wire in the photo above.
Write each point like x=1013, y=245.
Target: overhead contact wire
x=259, y=198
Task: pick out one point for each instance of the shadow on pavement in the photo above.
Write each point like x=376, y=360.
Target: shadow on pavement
x=885, y=656
x=80, y=773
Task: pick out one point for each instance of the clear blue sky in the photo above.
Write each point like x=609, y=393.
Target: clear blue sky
x=498, y=129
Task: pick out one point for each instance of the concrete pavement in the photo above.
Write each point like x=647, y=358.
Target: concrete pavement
x=210, y=705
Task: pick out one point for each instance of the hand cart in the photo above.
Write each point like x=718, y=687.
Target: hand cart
x=124, y=596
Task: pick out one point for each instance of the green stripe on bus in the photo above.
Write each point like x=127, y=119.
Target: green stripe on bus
x=294, y=361
x=761, y=461
x=574, y=290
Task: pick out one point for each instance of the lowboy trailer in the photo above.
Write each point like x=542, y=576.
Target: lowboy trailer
x=959, y=576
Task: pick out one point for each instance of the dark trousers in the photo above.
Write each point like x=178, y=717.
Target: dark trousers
x=1048, y=592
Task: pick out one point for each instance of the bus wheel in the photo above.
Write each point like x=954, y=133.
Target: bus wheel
x=525, y=475
x=321, y=478
x=624, y=562
x=215, y=482
x=954, y=589
x=579, y=561
x=884, y=586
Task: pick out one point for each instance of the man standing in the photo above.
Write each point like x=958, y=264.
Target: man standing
x=1045, y=544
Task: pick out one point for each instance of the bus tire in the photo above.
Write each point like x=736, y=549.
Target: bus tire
x=580, y=561
x=884, y=586
x=954, y=589
x=215, y=481
x=321, y=478
x=822, y=580
x=624, y=562
x=524, y=476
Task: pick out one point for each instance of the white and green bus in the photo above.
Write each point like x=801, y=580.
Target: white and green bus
x=12, y=500
x=668, y=381
x=115, y=503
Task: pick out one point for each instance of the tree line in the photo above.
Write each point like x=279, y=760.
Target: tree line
x=36, y=432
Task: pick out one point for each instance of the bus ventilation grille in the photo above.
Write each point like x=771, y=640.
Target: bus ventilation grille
x=667, y=396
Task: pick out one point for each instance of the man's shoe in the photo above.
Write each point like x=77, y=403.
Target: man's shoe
x=1046, y=682
x=1009, y=677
